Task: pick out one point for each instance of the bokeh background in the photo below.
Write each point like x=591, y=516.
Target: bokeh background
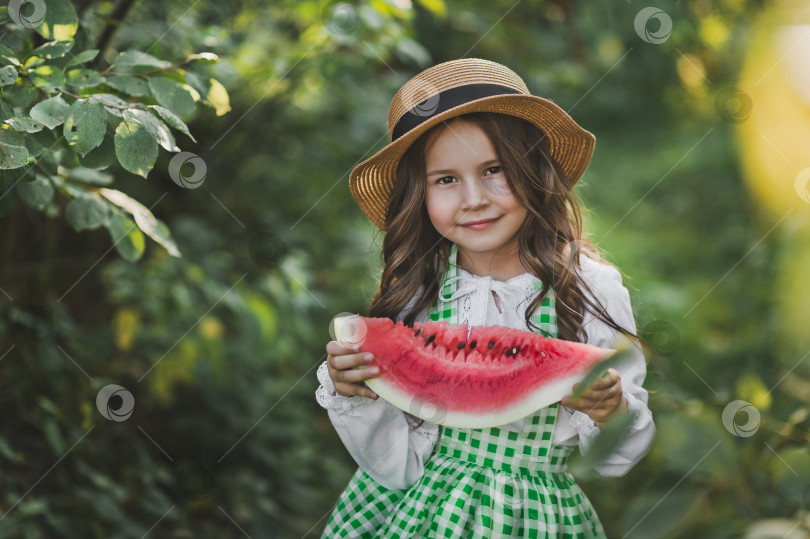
x=200, y=285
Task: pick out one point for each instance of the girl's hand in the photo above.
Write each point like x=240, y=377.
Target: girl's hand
x=601, y=399
x=348, y=368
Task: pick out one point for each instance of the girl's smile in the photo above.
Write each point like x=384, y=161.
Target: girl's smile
x=479, y=225
x=469, y=201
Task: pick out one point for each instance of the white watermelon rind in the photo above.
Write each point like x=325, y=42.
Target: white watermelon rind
x=540, y=398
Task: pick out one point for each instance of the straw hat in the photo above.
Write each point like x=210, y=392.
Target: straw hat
x=458, y=87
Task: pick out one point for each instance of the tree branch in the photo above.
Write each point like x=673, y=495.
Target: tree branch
x=115, y=20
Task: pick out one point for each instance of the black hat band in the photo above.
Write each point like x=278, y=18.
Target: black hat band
x=446, y=100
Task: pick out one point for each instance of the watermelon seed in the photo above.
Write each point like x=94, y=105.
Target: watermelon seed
x=542, y=354
x=491, y=344
x=430, y=339
x=512, y=375
x=508, y=352
x=418, y=332
x=460, y=346
x=472, y=345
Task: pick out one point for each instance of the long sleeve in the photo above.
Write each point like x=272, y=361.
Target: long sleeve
x=377, y=435
x=606, y=282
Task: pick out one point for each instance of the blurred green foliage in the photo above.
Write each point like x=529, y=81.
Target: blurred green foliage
x=219, y=346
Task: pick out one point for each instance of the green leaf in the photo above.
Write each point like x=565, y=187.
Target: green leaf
x=25, y=123
x=697, y=445
x=129, y=85
x=87, y=212
x=8, y=75
x=89, y=175
x=42, y=142
x=33, y=62
x=53, y=49
x=51, y=112
x=60, y=21
x=84, y=78
x=114, y=104
x=662, y=514
x=197, y=82
x=599, y=369
x=153, y=227
x=37, y=192
x=171, y=118
x=13, y=153
x=155, y=127
x=132, y=59
x=135, y=147
x=218, y=97
x=54, y=436
x=100, y=157
x=19, y=95
x=6, y=112
x=47, y=76
x=174, y=96
x=8, y=55
x=82, y=57
x=7, y=451
x=126, y=236
x=85, y=125
x=791, y=470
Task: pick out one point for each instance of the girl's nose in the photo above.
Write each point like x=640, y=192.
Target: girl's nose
x=475, y=193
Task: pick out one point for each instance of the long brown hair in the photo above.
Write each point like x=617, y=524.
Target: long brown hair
x=550, y=238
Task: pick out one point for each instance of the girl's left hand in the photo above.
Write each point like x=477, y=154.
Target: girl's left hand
x=601, y=399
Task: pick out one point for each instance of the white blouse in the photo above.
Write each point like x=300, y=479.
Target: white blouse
x=379, y=436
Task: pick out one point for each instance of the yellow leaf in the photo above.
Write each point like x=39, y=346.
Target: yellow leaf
x=125, y=322
x=750, y=388
x=211, y=328
x=218, y=97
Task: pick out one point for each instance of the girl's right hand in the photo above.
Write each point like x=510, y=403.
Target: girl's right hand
x=348, y=368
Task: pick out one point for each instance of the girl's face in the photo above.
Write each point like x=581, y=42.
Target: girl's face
x=465, y=184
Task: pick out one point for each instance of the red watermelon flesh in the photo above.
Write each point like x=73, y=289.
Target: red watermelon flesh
x=495, y=377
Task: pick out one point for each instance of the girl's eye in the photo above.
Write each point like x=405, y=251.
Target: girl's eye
x=497, y=170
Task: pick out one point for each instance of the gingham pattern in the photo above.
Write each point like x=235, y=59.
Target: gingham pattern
x=478, y=482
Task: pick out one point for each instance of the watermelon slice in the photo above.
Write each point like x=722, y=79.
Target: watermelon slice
x=495, y=377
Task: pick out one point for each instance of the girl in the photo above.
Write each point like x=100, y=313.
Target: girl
x=482, y=227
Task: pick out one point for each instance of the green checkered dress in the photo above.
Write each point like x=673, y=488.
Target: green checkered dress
x=478, y=482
